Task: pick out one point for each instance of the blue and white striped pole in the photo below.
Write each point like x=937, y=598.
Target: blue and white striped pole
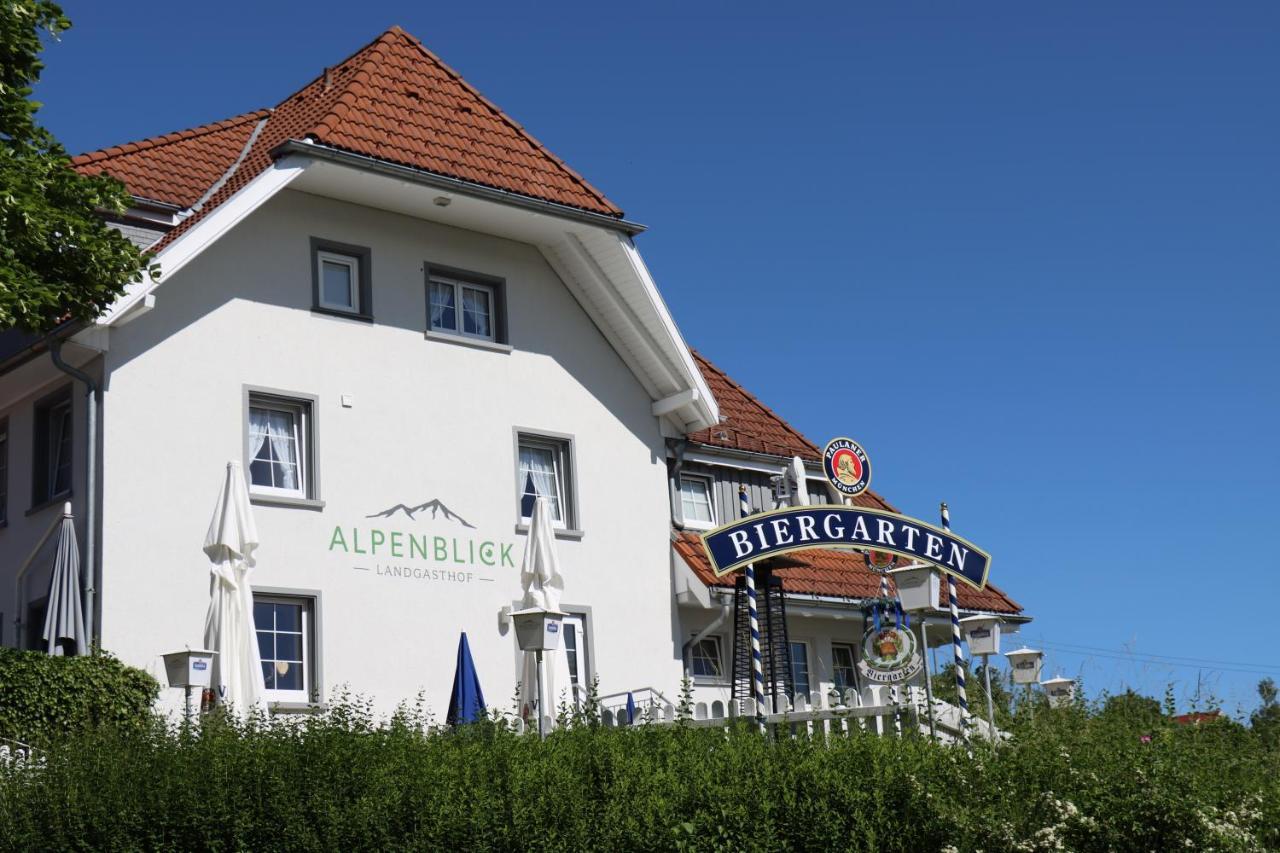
x=962, y=696
x=753, y=618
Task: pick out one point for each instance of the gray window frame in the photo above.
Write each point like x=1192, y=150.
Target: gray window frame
x=310, y=458
x=571, y=523
x=501, y=340
x=314, y=599
x=363, y=256
x=41, y=490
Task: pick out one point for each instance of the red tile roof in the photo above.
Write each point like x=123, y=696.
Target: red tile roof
x=746, y=423
x=176, y=168
x=393, y=100
x=840, y=574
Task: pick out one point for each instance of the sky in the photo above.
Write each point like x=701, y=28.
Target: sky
x=1026, y=253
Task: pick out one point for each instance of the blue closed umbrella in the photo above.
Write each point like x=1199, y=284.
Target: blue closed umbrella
x=466, y=704
x=631, y=709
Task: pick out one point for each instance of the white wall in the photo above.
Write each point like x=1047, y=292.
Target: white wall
x=428, y=420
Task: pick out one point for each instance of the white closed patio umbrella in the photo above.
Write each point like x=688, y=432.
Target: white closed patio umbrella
x=228, y=627
x=543, y=584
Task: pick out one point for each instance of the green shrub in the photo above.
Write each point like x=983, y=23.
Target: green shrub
x=43, y=697
x=1070, y=779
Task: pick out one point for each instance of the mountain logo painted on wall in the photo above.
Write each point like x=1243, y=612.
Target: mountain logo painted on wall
x=434, y=506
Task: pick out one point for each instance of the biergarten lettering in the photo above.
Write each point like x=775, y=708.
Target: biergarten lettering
x=798, y=528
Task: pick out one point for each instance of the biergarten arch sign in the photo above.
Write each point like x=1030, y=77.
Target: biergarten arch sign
x=783, y=531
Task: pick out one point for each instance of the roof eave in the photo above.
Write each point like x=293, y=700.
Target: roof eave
x=444, y=182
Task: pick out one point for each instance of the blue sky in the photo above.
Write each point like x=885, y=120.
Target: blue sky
x=1026, y=253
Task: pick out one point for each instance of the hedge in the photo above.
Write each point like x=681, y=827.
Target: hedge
x=1070, y=779
x=44, y=697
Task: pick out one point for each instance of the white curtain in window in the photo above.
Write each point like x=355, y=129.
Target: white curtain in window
x=475, y=311
x=538, y=464
x=442, y=316
x=284, y=447
x=257, y=434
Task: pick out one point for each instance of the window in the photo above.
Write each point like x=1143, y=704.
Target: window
x=705, y=659
x=4, y=472
x=286, y=646
x=696, y=508
x=844, y=673
x=53, y=448
x=574, y=637
x=462, y=308
x=280, y=454
x=543, y=470
x=818, y=492
x=800, y=669
x=341, y=282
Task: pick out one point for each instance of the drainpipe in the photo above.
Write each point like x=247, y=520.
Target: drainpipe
x=91, y=484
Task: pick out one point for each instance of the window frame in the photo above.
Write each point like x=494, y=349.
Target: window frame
x=564, y=449
x=307, y=422
x=312, y=669
x=708, y=481
x=460, y=287
x=808, y=666
x=708, y=678
x=42, y=484
x=493, y=286
x=361, y=258
x=854, y=684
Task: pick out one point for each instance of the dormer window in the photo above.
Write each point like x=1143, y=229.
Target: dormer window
x=696, y=506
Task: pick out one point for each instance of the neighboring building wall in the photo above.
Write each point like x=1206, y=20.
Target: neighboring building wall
x=27, y=524
x=140, y=235
x=427, y=420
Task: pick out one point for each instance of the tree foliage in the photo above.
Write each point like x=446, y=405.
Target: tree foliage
x=59, y=259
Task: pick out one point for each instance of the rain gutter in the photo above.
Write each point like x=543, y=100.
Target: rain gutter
x=431, y=179
x=90, y=571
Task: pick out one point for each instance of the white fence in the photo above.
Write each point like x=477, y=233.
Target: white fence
x=820, y=714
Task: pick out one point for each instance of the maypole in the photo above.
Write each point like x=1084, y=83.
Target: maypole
x=962, y=696
x=753, y=619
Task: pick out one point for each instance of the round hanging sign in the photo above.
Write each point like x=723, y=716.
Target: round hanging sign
x=889, y=655
x=847, y=466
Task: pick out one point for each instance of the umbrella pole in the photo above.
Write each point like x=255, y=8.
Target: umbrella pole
x=190, y=703
x=928, y=681
x=991, y=708
x=542, y=726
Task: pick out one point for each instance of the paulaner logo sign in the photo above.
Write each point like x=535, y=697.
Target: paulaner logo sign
x=801, y=528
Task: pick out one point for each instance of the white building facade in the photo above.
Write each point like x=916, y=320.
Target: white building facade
x=401, y=350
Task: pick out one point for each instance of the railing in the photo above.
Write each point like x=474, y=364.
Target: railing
x=820, y=713
x=830, y=713
x=15, y=753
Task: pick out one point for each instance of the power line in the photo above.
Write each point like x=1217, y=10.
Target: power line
x=1244, y=668
x=1173, y=658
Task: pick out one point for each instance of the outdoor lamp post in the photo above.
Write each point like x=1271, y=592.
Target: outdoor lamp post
x=1026, y=664
x=538, y=630
x=982, y=633
x=918, y=590
x=1060, y=691
x=189, y=669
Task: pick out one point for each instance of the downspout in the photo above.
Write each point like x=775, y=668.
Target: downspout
x=91, y=485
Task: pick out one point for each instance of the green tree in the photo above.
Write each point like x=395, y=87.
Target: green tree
x=59, y=259
x=1265, y=721
x=1134, y=708
x=944, y=688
